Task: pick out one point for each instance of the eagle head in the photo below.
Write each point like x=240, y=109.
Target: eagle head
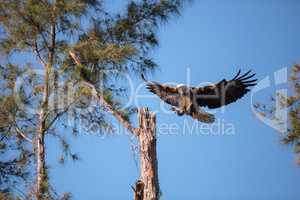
x=182, y=89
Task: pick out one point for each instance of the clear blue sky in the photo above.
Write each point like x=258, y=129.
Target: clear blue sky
x=214, y=39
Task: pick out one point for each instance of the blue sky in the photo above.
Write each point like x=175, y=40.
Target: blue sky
x=214, y=39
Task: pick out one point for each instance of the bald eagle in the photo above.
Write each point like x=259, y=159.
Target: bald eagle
x=187, y=100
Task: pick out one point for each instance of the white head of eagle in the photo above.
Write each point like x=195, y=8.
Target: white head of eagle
x=182, y=89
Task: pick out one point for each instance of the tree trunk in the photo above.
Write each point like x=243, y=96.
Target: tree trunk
x=148, y=155
x=41, y=179
x=41, y=185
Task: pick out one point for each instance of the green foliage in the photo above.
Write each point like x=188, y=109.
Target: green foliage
x=7, y=197
x=292, y=103
x=28, y=22
x=13, y=168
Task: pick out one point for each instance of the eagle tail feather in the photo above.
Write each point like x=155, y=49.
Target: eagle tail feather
x=203, y=117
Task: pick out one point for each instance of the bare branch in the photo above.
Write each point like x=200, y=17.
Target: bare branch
x=118, y=116
x=37, y=51
x=23, y=135
x=60, y=114
x=74, y=57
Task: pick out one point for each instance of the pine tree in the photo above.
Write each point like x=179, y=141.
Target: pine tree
x=15, y=155
x=66, y=43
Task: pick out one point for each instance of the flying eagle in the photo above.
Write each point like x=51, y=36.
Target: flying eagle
x=187, y=100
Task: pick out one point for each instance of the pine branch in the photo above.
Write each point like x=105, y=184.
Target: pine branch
x=108, y=106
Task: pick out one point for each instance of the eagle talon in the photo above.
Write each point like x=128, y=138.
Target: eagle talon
x=180, y=113
x=177, y=111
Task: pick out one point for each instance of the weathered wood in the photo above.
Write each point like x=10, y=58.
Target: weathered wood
x=148, y=155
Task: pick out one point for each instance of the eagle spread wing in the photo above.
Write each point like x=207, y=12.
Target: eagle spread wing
x=224, y=92
x=166, y=93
